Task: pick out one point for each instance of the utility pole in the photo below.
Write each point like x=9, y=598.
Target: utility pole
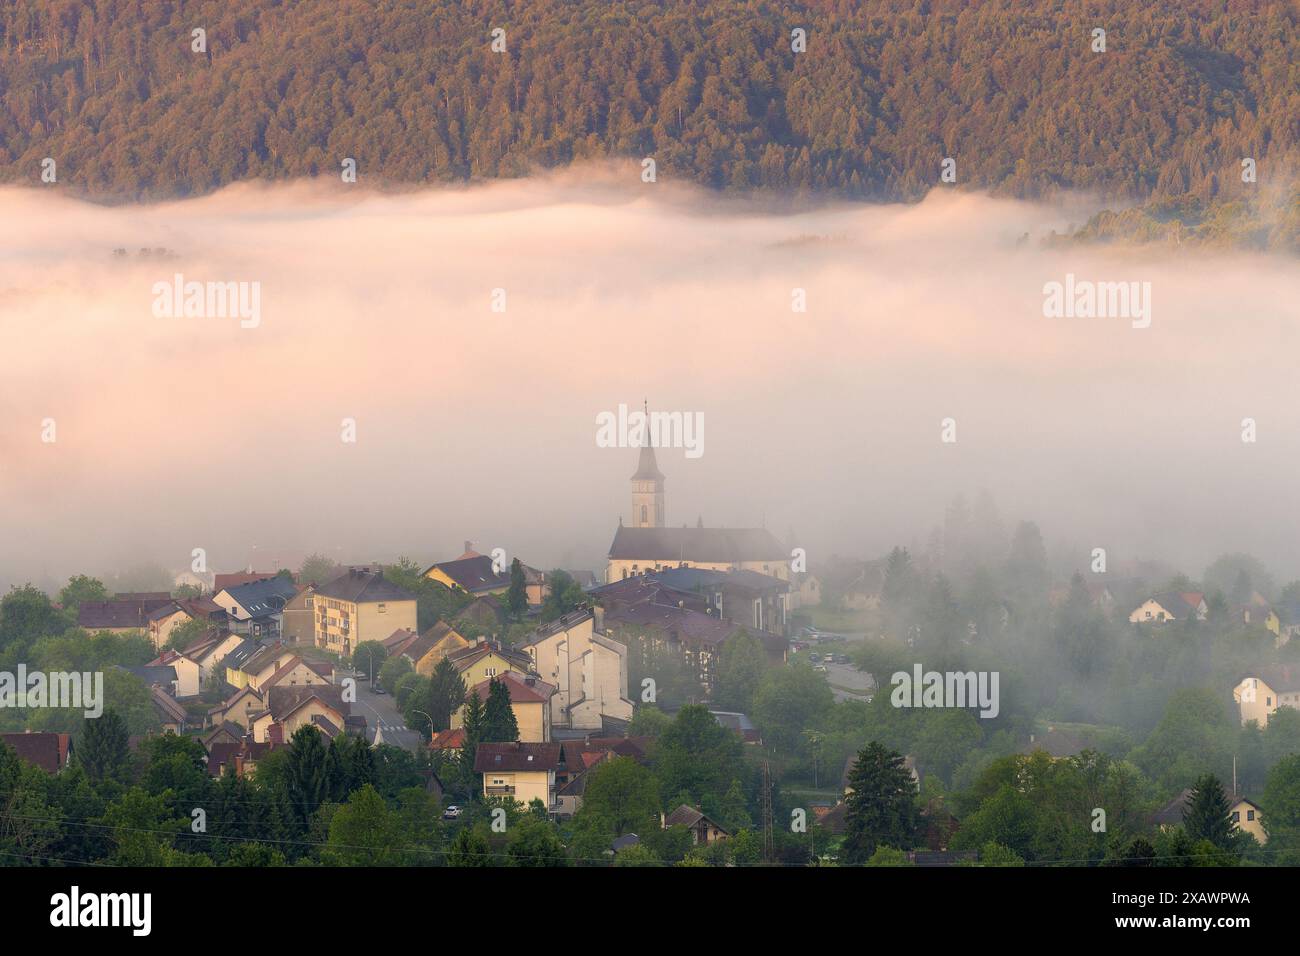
x=767, y=812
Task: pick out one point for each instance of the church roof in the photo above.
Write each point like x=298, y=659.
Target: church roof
x=710, y=545
x=647, y=469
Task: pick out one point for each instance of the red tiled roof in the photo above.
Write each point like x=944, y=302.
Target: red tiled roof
x=448, y=739
x=513, y=757
x=43, y=749
x=523, y=689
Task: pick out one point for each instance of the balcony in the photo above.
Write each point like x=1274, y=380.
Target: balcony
x=506, y=791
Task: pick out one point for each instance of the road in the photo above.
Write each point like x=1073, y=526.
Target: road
x=848, y=683
x=381, y=713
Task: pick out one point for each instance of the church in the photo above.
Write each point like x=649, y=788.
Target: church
x=649, y=545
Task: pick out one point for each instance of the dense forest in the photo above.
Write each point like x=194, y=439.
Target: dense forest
x=886, y=89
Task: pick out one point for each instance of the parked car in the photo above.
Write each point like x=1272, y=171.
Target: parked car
x=820, y=668
x=451, y=813
x=815, y=658
x=377, y=689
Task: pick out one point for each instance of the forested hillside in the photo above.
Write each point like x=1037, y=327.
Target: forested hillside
x=887, y=88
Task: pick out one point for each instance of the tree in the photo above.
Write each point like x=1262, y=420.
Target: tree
x=697, y=756
x=368, y=658
x=788, y=700
x=183, y=635
x=889, y=856
x=318, y=569
x=517, y=596
x=472, y=721
x=565, y=595
x=499, y=723
x=307, y=774
x=881, y=809
x=141, y=829
x=26, y=614
x=1206, y=815
x=364, y=832
x=446, y=694
x=621, y=796
x=470, y=848
x=533, y=842
x=740, y=672
x=394, y=669
x=103, y=750
x=81, y=589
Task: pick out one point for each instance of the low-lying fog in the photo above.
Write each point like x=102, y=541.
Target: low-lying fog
x=172, y=433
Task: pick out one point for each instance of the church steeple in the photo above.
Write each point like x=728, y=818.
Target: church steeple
x=647, y=485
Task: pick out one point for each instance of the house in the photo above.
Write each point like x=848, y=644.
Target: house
x=173, y=717
x=648, y=544
x=1170, y=606
x=1244, y=813
x=154, y=675
x=221, y=582
x=584, y=579
x=1288, y=613
x=298, y=619
x=472, y=573
x=210, y=651
x=530, y=699
x=738, y=724
x=225, y=732
x=289, y=708
x=806, y=590
x=579, y=757
x=297, y=671
x=255, y=667
x=759, y=602
x=697, y=636
x=1253, y=615
x=1259, y=695
x=588, y=669
x=703, y=829
x=239, y=708
x=360, y=605
x=189, y=680
x=164, y=620
x=485, y=659
x=484, y=613
x=240, y=757
x=861, y=587
x=49, y=751
x=124, y=615
x=254, y=609
x=448, y=741
x=432, y=646
x=521, y=771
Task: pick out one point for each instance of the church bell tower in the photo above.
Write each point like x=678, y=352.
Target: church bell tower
x=647, y=487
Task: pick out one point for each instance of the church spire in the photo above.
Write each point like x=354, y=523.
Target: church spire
x=647, y=484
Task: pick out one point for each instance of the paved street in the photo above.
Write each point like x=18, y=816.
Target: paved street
x=381, y=713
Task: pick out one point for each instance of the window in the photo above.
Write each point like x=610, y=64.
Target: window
x=1250, y=814
x=383, y=608
x=1236, y=816
x=644, y=520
